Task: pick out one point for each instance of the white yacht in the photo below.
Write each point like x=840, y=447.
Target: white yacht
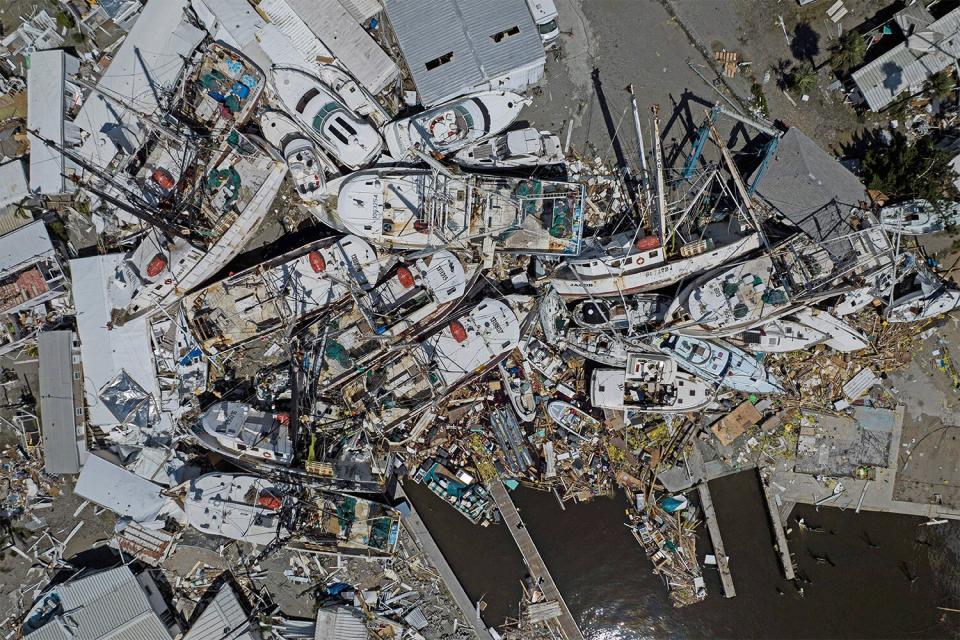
x=650, y=383
x=780, y=336
x=719, y=362
x=237, y=429
x=321, y=113
x=238, y=507
x=308, y=166
x=918, y=217
x=455, y=124
x=522, y=148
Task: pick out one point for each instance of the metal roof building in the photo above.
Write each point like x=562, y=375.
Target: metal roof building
x=455, y=47
x=47, y=78
x=224, y=617
x=905, y=68
x=61, y=409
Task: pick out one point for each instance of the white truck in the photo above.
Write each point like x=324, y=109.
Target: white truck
x=545, y=17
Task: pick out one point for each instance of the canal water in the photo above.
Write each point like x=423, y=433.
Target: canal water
x=884, y=578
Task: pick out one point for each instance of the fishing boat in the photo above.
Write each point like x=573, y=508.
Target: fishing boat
x=780, y=336
x=308, y=166
x=931, y=297
x=624, y=314
x=623, y=266
x=321, y=113
x=455, y=124
x=649, y=383
x=280, y=292
x=421, y=208
x=515, y=374
x=572, y=419
x=718, y=362
x=235, y=506
x=240, y=430
x=602, y=347
x=918, y=217
x=840, y=336
x=522, y=148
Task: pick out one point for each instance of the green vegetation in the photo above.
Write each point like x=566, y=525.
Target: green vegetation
x=849, y=53
x=65, y=20
x=939, y=85
x=803, y=78
x=760, y=99
x=909, y=170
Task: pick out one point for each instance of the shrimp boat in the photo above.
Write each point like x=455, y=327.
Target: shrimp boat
x=280, y=292
x=718, y=362
x=321, y=113
x=455, y=124
x=931, y=298
x=516, y=381
x=522, y=148
x=780, y=336
x=840, y=336
x=918, y=217
x=650, y=383
x=405, y=386
x=622, y=315
x=420, y=208
x=572, y=419
x=308, y=166
x=235, y=506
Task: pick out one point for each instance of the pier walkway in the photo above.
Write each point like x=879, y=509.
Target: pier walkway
x=723, y=565
x=535, y=564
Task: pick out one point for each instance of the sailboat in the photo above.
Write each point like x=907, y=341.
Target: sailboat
x=779, y=336
x=622, y=315
x=718, y=362
x=931, y=297
x=236, y=506
x=840, y=336
x=918, y=217
x=515, y=375
x=522, y=148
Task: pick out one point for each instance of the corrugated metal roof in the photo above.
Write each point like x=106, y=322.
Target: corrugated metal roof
x=290, y=25
x=903, y=68
x=341, y=623
x=106, y=605
x=23, y=246
x=61, y=453
x=362, y=10
x=223, y=613
x=46, y=78
x=13, y=182
x=428, y=30
x=354, y=48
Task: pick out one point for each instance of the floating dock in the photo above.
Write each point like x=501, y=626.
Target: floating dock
x=723, y=566
x=535, y=564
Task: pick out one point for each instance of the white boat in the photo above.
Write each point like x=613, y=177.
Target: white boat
x=282, y=291
x=601, y=347
x=321, y=113
x=917, y=217
x=649, y=383
x=780, y=336
x=455, y=124
x=719, y=362
x=242, y=431
x=238, y=507
x=622, y=314
x=554, y=317
x=419, y=208
x=930, y=299
x=515, y=374
x=840, y=336
x=542, y=358
x=621, y=268
x=308, y=166
x=522, y=148
x=574, y=420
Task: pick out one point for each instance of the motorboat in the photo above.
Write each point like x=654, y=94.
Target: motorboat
x=239, y=430
x=515, y=374
x=780, y=336
x=719, y=362
x=320, y=112
x=650, y=383
x=308, y=166
x=236, y=506
x=542, y=358
x=623, y=314
x=918, y=217
x=572, y=419
x=522, y=148
x=454, y=125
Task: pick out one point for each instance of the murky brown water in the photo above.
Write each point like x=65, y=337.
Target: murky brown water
x=607, y=581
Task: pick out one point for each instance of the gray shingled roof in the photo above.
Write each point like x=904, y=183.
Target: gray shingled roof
x=430, y=29
x=810, y=187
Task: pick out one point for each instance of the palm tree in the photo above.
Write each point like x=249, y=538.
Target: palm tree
x=850, y=52
x=803, y=78
x=940, y=84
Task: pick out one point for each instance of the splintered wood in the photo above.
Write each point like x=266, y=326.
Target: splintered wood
x=727, y=60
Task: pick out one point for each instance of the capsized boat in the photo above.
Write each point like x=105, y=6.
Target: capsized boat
x=623, y=314
x=419, y=208
x=931, y=297
x=573, y=419
x=780, y=336
x=515, y=374
x=649, y=383
x=236, y=506
x=917, y=217
x=321, y=113
x=840, y=336
x=622, y=267
x=282, y=291
x=719, y=362
x=308, y=165
x=455, y=124
x=522, y=148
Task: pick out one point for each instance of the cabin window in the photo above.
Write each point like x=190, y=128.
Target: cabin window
x=693, y=392
x=436, y=62
x=339, y=136
x=79, y=412
x=76, y=375
x=652, y=254
x=602, y=388
x=506, y=33
x=241, y=447
x=306, y=98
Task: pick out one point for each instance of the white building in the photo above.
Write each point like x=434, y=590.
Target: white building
x=51, y=94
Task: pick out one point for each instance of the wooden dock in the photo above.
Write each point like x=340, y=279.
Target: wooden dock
x=783, y=548
x=535, y=564
x=723, y=565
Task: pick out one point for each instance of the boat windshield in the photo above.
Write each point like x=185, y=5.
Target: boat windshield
x=548, y=27
x=325, y=112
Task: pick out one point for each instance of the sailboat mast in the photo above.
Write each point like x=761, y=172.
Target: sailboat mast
x=658, y=162
x=644, y=170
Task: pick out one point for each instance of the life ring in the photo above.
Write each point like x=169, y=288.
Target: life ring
x=267, y=455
